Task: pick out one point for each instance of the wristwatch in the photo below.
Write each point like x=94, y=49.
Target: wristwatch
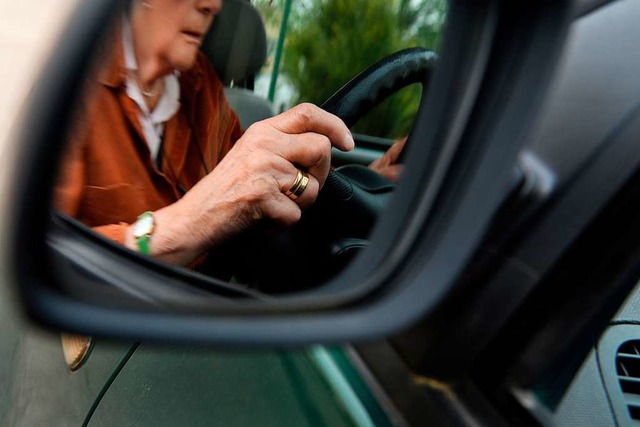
x=142, y=230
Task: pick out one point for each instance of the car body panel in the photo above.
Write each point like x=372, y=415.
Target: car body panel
x=195, y=387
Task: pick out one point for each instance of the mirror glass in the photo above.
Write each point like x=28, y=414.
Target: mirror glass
x=199, y=142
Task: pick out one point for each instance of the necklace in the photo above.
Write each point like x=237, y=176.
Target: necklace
x=147, y=93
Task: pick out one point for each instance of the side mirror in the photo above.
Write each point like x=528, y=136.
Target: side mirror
x=458, y=176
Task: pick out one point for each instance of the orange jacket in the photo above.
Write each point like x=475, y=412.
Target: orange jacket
x=108, y=177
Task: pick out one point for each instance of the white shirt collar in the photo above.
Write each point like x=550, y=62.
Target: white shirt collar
x=152, y=122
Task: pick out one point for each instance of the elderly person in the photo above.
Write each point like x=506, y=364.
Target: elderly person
x=158, y=161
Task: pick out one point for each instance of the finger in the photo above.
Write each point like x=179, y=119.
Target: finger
x=378, y=164
x=308, y=195
x=310, y=151
x=310, y=118
x=285, y=174
x=281, y=210
x=392, y=172
x=396, y=149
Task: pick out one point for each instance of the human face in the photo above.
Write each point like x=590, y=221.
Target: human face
x=171, y=31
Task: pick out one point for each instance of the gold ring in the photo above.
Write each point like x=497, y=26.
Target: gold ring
x=298, y=186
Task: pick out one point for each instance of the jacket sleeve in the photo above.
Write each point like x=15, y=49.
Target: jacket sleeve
x=68, y=190
x=71, y=172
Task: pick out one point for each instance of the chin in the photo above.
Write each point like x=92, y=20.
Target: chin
x=183, y=61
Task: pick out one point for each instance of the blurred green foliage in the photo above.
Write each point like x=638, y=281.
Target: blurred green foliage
x=330, y=41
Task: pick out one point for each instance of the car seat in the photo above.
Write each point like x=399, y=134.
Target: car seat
x=237, y=47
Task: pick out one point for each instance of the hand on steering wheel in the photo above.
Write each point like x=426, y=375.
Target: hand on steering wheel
x=388, y=165
x=336, y=226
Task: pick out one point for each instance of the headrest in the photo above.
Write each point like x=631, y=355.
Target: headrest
x=237, y=41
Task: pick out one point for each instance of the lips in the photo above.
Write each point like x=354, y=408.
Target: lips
x=193, y=36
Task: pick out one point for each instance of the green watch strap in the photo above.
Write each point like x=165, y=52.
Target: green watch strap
x=143, y=245
x=142, y=230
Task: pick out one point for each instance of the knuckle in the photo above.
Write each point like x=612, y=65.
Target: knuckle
x=255, y=134
x=307, y=107
x=321, y=150
x=255, y=127
x=305, y=113
x=254, y=163
x=258, y=193
x=326, y=146
x=259, y=160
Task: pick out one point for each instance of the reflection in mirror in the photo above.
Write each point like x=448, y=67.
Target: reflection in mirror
x=177, y=150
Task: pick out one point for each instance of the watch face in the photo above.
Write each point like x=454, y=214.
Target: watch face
x=144, y=225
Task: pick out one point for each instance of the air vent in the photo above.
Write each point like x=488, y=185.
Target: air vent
x=628, y=369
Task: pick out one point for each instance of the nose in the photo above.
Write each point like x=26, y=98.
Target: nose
x=209, y=7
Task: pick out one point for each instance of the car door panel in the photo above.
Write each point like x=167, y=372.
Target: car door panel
x=193, y=387
x=42, y=391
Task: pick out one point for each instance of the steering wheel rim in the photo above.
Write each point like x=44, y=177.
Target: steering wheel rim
x=360, y=192
x=380, y=80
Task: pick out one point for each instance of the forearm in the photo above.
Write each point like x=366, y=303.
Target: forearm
x=182, y=234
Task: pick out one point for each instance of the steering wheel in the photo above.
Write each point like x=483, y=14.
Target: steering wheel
x=335, y=228
x=357, y=192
